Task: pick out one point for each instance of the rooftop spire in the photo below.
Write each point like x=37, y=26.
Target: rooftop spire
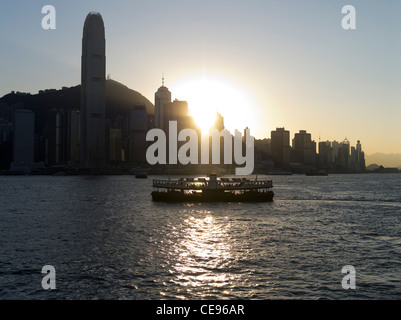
x=163, y=80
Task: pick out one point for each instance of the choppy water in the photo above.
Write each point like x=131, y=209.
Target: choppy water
x=108, y=240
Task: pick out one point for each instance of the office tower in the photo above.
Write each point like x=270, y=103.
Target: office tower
x=280, y=147
x=151, y=121
x=6, y=131
x=93, y=90
x=325, y=153
x=362, y=163
x=335, y=146
x=358, y=146
x=360, y=157
x=5, y=112
x=137, y=136
x=344, y=155
x=219, y=122
x=24, y=138
x=304, y=148
x=115, y=145
x=352, y=159
x=162, y=97
x=57, y=141
x=358, y=154
x=74, y=135
x=178, y=111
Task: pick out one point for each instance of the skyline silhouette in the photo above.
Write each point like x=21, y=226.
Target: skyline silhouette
x=312, y=77
x=263, y=147
x=200, y=150
x=72, y=105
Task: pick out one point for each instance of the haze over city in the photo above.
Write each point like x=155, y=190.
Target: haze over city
x=261, y=64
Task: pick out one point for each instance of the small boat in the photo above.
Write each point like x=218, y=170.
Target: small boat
x=279, y=172
x=141, y=175
x=317, y=173
x=212, y=189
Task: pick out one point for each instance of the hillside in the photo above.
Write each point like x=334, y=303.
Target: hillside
x=386, y=160
x=119, y=100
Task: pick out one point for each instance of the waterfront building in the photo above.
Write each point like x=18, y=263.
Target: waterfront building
x=344, y=152
x=24, y=138
x=304, y=148
x=74, y=135
x=93, y=91
x=280, y=147
x=162, y=98
x=325, y=153
x=115, y=145
x=57, y=138
x=137, y=136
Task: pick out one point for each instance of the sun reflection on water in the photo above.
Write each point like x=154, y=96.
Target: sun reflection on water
x=204, y=256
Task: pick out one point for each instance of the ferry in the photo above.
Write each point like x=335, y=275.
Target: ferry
x=212, y=189
x=141, y=175
x=317, y=173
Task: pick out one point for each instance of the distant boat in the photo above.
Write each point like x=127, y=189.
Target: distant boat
x=317, y=173
x=141, y=175
x=279, y=172
x=212, y=190
x=59, y=173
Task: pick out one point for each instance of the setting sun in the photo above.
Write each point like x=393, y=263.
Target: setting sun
x=207, y=95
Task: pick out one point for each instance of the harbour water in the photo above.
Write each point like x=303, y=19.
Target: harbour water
x=107, y=240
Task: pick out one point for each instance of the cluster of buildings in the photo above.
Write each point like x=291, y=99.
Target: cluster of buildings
x=302, y=153
x=84, y=138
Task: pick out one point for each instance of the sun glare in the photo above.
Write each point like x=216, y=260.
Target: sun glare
x=208, y=95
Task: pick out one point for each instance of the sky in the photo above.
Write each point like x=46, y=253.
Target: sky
x=262, y=64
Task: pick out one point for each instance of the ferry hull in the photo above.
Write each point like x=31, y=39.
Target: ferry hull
x=214, y=196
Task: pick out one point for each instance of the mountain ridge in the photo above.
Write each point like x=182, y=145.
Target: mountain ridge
x=119, y=98
x=392, y=160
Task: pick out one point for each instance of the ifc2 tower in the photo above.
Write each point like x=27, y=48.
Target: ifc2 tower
x=93, y=93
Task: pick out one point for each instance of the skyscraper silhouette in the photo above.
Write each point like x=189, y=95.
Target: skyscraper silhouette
x=280, y=147
x=24, y=135
x=304, y=148
x=162, y=98
x=93, y=91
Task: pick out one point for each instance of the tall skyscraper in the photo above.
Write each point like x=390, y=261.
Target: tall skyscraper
x=219, y=122
x=93, y=92
x=325, y=153
x=115, y=144
x=304, y=148
x=57, y=141
x=360, y=157
x=335, y=146
x=138, y=130
x=6, y=133
x=162, y=98
x=177, y=111
x=74, y=135
x=344, y=153
x=24, y=138
x=280, y=147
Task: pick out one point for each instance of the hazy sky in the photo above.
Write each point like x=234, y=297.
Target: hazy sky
x=276, y=63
